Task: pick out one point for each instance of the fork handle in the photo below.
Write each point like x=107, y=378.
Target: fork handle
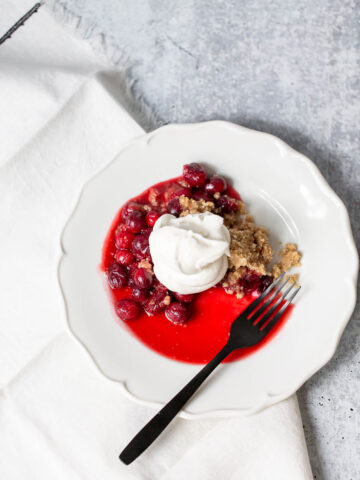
x=161, y=420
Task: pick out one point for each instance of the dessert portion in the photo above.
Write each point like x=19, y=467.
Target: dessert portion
x=185, y=257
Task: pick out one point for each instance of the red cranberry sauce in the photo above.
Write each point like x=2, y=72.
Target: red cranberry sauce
x=188, y=328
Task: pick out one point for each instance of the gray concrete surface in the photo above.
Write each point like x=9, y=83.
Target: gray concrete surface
x=286, y=67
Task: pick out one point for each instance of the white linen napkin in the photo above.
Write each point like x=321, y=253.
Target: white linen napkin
x=60, y=122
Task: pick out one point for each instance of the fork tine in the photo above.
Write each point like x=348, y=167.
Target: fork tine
x=272, y=310
x=263, y=307
x=272, y=322
x=256, y=302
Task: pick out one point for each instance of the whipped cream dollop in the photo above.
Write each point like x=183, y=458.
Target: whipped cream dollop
x=190, y=253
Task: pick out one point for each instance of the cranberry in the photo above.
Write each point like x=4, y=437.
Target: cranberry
x=186, y=298
x=156, y=303
x=216, y=184
x=124, y=257
x=199, y=195
x=140, y=246
x=143, y=278
x=130, y=208
x=177, y=313
x=146, y=232
x=116, y=276
x=135, y=222
x=266, y=281
x=127, y=309
x=151, y=218
x=228, y=204
x=186, y=192
x=250, y=282
x=176, y=190
x=140, y=294
x=159, y=287
x=194, y=174
x=124, y=239
x=174, y=207
x=131, y=269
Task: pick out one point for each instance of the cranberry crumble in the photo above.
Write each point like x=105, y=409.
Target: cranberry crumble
x=147, y=306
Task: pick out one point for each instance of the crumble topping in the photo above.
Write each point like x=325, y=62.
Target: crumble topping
x=145, y=263
x=249, y=245
x=189, y=205
x=289, y=257
x=154, y=197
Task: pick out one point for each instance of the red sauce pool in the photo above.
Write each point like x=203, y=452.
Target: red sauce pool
x=212, y=313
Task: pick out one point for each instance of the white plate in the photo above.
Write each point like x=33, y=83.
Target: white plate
x=287, y=194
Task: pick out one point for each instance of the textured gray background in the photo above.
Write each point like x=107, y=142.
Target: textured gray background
x=290, y=68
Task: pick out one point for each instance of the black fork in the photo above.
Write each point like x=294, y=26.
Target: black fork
x=248, y=329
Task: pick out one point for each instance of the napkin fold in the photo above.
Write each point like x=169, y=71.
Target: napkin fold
x=64, y=116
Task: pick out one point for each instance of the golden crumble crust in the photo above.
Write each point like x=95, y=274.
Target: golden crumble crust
x=144, y=263
x=189, y=205
x=154, y=197
x=289, y=257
